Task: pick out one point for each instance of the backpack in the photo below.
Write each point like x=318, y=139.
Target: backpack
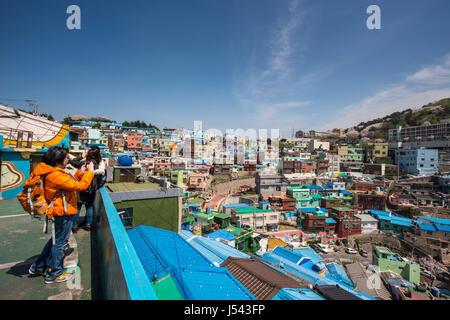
x=33, y=198
x=34, y=202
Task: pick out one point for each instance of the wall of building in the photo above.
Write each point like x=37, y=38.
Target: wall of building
x=115, y=260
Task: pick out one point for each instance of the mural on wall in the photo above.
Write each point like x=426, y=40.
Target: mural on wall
x=23, y=136
x=11, y=176
x=42, y=132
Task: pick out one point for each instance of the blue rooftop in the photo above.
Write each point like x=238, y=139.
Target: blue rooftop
x=236, y=205
x=212, y=283
x=215, y=251
x=221, y=234
x=380, y=213
x=427, y=227
x=162, y=252
x=330, y=221
x=436, y=220
x=296, y=294
x=441, y=227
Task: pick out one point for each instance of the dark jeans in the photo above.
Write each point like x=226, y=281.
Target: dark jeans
x=52, y=255
x=89, y=213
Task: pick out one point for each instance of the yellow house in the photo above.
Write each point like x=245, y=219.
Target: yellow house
x=376, y=150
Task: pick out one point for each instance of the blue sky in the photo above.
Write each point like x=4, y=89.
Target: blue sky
x=287, y=64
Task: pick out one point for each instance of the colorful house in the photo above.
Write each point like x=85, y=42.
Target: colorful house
x=386, y=260
x=303, y=197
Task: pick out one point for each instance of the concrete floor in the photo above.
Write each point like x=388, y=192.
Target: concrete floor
x=21, y=241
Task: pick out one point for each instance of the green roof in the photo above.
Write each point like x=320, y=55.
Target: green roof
x=221, y=215
x=342, y=209
x=204, y=215
x=166, y=289
x=234, y=230
x=250, y=210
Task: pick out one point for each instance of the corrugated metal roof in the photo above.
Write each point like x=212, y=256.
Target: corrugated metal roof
x=212, y=283
x=309, y=275
x=338, y=272
x=275, y=242
x=166, y=289
x=215, y=251
x=261, y=280
x=162, y=250
x=427, y=227
x=436, y=220
x=441, y=227
x=221, y=234
x=296, y=294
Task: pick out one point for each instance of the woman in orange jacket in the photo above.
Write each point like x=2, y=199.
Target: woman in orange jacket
x=60, y=188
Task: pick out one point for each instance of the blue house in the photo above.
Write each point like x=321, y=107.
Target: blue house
x=417, y=161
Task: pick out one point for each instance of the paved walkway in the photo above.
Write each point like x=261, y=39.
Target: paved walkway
x=21, y=241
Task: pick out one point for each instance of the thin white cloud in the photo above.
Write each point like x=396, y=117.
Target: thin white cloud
x=436, y=74
x=263, y=90
x=429, y=84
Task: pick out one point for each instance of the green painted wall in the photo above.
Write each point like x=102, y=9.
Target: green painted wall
x=159, y=213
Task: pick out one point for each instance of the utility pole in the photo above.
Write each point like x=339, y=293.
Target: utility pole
x=33, y=103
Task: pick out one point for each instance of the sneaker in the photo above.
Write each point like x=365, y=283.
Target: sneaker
x=61, y=278
x=75, y=229
x=68, y=251
x=35, y=272
x=87, y=228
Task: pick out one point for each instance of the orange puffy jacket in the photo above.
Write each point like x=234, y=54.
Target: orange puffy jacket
x=58, y=180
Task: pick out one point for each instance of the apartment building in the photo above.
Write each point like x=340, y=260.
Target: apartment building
x=432, y=131
x=417, y=161
x=260, y=220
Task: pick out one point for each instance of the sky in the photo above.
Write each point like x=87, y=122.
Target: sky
x=262, y=64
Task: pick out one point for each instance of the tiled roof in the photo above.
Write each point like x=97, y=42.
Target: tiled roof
x=331, y=292
x=261, y=280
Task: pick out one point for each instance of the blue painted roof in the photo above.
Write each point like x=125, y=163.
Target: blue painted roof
x=296, y=294
x=212, y=283
x=441, y=227
x=236, y=205
x=315, y=187
x=436, y=220
x=345, y=192
x=338, y=272
x=162, y=250
x=221, y=234
x=380, y=213
x=194, y=204
x=215, y=251
x=427, y=227
x=401, y=221
x=310, y=253
x=330, y=221
x=310, y=275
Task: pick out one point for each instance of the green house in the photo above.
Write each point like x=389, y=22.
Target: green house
x=303, y=197
x=222, y=219
x=386, y=260
x=243, y=241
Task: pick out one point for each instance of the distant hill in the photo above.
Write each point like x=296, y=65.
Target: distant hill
x=431, y=113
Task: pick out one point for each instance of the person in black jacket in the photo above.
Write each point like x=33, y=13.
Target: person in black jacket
x=87, y=197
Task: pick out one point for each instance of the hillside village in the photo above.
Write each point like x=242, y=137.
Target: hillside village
x=314, y=216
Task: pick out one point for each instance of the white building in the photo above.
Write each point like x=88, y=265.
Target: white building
x=368, y=223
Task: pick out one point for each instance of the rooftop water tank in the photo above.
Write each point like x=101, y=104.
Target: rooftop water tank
x=125, y=161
